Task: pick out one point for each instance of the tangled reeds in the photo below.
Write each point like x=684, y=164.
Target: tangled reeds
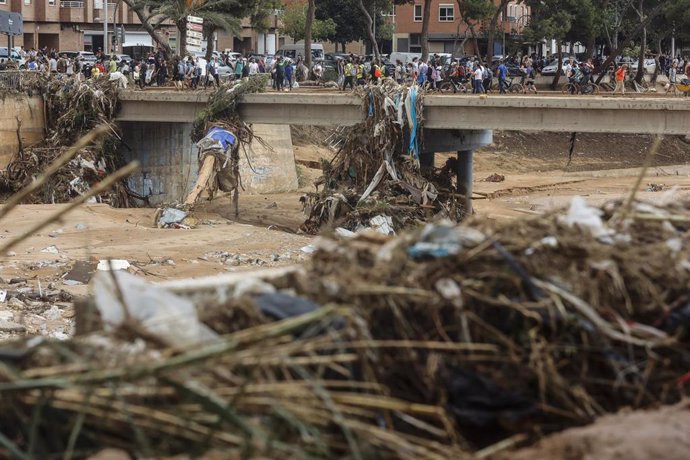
x=447, y=342
x=72, y=108
x=377, y=169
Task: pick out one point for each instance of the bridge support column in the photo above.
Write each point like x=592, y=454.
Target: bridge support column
x=464, y=142
x=464, y=178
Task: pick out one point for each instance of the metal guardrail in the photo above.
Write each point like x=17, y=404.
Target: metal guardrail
x=71, y=4
x=20, y=80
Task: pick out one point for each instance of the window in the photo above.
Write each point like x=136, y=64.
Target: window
x=446, y=13
x=51, y=2
x=27, y=2
x=3, y=2
x=418, y=13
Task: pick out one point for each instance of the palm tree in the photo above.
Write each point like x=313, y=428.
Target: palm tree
x=217, y=14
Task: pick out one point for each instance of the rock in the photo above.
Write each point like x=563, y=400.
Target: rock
x=52, y=249
x=17, y=280
x=81, y=227
x=11, y=254
x=53, y=313
x=6, y=315
x=16, y=303
x=55, y=233
x=11, y=326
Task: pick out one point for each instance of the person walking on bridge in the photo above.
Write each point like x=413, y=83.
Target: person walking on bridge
x=620, y=79
x=502, y=72
x=350, y=74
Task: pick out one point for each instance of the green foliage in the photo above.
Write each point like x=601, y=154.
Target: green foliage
x=476, y=10
x=217, y=14
x=294, y=18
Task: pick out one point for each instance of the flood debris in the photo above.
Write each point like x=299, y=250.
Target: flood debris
x=495, y=177
x=439, y=343
x=378, y=170
x=220, y=135
x=72, y=108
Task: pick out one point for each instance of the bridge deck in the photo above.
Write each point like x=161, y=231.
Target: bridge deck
x=596, y=114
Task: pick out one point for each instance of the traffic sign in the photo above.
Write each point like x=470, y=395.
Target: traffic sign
x=193, y=42
x=195, y=19
x=196, y=27
x=197, y=35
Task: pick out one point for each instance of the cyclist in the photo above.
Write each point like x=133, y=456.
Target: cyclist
x=574, y=78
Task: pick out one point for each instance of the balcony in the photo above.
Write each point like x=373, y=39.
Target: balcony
x=72, y=11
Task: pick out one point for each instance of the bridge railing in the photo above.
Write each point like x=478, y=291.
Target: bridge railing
x=17, y=80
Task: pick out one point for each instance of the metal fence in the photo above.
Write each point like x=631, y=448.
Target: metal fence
x=17, y=80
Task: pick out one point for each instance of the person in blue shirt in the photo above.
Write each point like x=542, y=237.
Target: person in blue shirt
x=502, y=75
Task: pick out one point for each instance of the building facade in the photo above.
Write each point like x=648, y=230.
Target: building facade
x=78, y=25
x=448, y=33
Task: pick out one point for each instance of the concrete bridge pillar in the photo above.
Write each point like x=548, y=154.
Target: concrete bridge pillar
x=464, y=142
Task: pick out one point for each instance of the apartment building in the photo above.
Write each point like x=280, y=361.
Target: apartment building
x=447, y=30
x=78, y=25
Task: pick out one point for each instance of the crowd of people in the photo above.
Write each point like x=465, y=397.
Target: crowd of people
x=470, y=73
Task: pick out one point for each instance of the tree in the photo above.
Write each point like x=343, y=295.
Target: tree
x=369, y=22
x=311, y=10
x=551, y=19
x=145, y=16
x=473, y=13
x=494, y=12
x=294, y=18
x=217, y=14
x=260, y=15
x=426, y=16
x=348, y=27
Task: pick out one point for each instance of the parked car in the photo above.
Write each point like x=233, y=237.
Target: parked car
x=86, y=56
x=550, y=68
x=649, y=65
x=225, y=72
x=15, y=56
x=123, y=58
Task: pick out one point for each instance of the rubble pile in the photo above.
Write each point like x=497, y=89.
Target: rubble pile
x=377, y=171
x=72, y=108
x=447, y=342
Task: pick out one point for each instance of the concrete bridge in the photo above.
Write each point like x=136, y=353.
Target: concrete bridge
x=460, y=123
x=593, y=114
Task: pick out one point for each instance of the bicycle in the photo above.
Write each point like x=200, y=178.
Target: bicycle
x=513, y=87
x=570, y=88
x=457, y=85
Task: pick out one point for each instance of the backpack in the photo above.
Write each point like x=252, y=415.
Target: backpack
x=377, y=72
x=486, y=74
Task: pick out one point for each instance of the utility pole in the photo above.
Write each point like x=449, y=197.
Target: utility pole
x=106, y=48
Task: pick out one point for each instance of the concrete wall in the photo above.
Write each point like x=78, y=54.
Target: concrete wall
x=272, y=169
x=168, y=159
x=169, y=166
x=27, y=109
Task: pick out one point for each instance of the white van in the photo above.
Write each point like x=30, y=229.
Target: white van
x=292, y=51
x=405, y=58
